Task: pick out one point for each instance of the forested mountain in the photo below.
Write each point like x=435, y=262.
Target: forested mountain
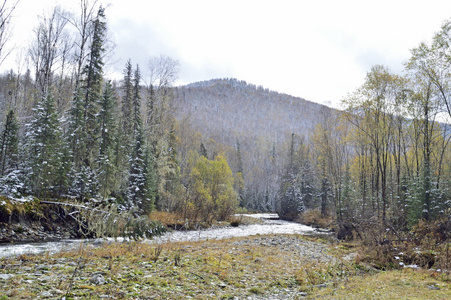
x=252, y=125
x=69, y=131
x=228, y=110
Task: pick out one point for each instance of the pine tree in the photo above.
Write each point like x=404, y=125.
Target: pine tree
x=290, y=201
x=136, y=103
x=84, y=125
x=9, y=144
x=44, y=137
x=106, y=167
x=137, y=194
x=127, y=106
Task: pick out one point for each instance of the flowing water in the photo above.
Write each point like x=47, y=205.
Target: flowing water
x=271, y=225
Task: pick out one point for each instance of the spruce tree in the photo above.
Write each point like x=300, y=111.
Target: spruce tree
x=44, y=146
x=137, y=193
x=127, y=105
x=240, y=176
x=106, y=167
x=290, y=197
x=84, y=125
x=9, y=144
x=11, y=174
x=203, y=150
x=141, y=176
x=136, y=103
x=92, y=85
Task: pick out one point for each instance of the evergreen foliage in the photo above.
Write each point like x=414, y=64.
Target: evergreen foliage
x=108, y=129
x=148, y=146
x=44, y=148
x=9, y=145
x=291, y=200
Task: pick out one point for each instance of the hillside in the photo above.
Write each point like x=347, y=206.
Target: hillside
x=228, y=110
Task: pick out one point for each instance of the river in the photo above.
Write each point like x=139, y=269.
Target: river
x=271, y=225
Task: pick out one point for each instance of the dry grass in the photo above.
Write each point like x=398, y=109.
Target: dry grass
x=202, y=270
x=314, y=218
x=171, y=220
x=395, y=284
x=212, y=270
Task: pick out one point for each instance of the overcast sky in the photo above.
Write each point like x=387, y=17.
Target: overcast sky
x=317, y=50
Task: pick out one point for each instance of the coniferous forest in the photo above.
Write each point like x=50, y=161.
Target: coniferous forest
x=70, y=133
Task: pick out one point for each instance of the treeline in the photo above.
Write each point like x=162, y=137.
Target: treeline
x=70, y=132
x=251, y=125
x=385, y=159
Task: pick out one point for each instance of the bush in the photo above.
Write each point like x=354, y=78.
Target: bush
x=313, y=217
x=427, y=246
x=210, y=192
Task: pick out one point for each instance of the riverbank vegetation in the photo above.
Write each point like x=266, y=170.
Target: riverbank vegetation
x=259, y=267
x=32, y=220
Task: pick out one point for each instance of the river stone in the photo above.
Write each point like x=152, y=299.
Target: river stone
x=6, y=276
x=46, y=278
x=57, y=291
x=97, y=279
x=222, y=285
x=46, y=294
x=42, y=267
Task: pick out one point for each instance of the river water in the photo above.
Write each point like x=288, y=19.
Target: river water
x=271, y=225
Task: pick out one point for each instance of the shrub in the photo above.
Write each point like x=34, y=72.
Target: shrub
x=313, y=217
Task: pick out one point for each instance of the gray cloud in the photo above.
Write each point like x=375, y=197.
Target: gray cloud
x=138, y=42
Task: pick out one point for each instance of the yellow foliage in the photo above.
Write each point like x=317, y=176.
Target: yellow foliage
x=211, y=192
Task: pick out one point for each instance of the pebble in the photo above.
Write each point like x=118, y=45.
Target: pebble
x=6, y=276
x=46, y=294
x=97, y=279
x=46, y=278
x=433, y=287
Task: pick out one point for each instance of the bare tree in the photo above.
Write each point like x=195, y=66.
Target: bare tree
x=84, y=25
x=49, y=48
x=5, y=27
x=163, y=71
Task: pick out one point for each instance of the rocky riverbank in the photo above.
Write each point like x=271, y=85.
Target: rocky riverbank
x=28, y=232
x=27, y=220
x=32, y=220
x=251, y=268
x=259, y=267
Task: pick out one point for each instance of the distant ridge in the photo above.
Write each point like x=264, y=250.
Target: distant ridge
x=229, y=109
x=236, y=83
